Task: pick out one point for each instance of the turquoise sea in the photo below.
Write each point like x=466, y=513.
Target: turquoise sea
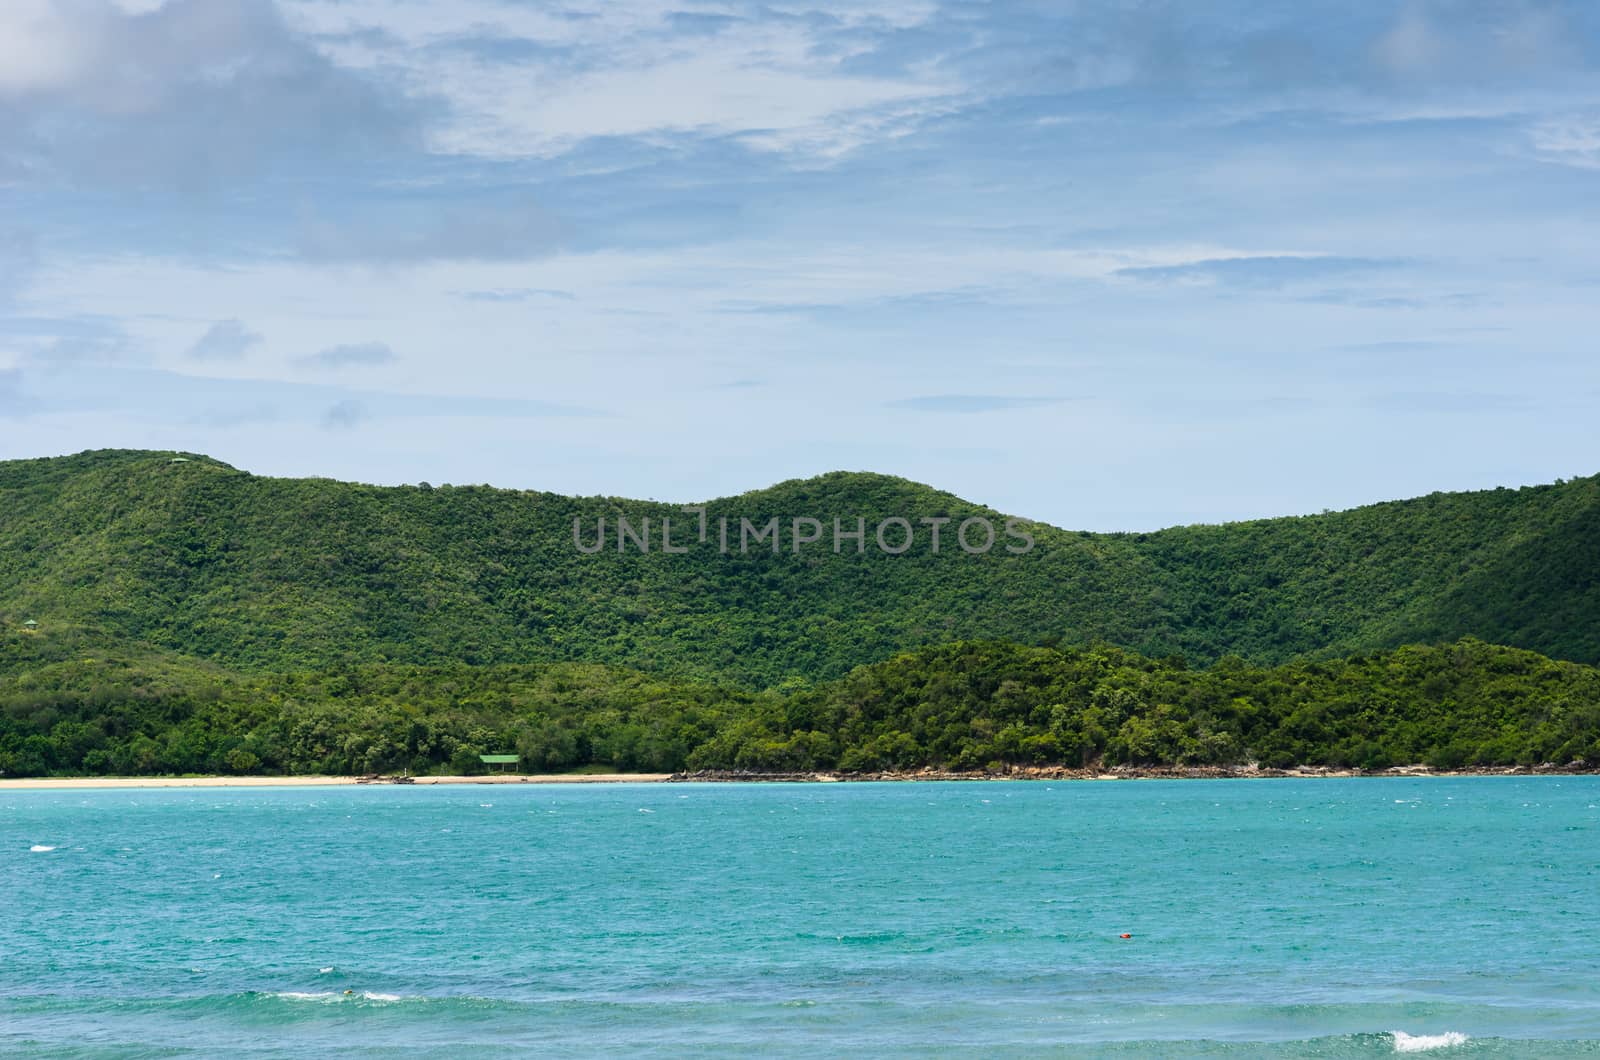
x=1327, y=918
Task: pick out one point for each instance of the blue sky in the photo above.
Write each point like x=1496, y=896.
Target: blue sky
x=1116, y=265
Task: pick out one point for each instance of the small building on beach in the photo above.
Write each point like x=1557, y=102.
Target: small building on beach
x=507, y=763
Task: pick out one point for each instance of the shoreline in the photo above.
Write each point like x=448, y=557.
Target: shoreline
x=1029, y=773
x=80, y=783
x=1063, y=773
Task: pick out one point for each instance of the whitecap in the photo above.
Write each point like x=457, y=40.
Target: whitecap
x=646, y=811
x=325, y=971
x=39, y=849
x=1421, y=1043
x=303, y=995
x=374, y=996
x=486, y=805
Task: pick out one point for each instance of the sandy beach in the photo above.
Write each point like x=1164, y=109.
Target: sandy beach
x=1051, y=773
x=68, y=783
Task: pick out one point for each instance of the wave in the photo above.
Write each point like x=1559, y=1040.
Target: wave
x=326, y=996
x=1421, y=1043
x=39, y=848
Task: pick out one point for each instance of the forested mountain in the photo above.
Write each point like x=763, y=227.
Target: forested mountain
x=182, y=554
x=164, y=612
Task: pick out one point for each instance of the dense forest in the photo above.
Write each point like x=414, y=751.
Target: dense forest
x=165, y=613
x=971, y=705
x=184, y=554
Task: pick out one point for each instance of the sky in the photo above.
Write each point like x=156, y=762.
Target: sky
x=1113, y=264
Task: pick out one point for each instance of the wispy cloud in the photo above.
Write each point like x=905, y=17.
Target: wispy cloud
x=351, y=355
x=225, y=340
x=515, y=294
x=78, y=350
x=171, y=396
x=1267, y=272
x=972, y=403
x=490, y=44
x=524, y=81
x=490, y=228
x=1572, y=140
x=69, y=343
x=1450, y=402
x=1391, y=346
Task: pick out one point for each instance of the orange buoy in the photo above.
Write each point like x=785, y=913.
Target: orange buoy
x=1124, y=935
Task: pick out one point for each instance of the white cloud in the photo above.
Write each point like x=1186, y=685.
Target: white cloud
x=718, y=92
x=1569, y=141
x=677, y=310
x=46, y=45
x=1466, y=47
x=1410, y=47
x=180, y=93
x=606, y=69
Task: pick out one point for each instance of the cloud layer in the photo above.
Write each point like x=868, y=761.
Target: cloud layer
x=1281, y=257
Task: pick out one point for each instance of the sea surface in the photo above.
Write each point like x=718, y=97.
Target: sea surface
x=1269, y=918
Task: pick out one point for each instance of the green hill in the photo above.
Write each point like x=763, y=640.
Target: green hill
x=140, y=552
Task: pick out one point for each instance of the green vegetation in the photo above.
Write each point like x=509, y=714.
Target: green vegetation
x=164, y=616
x=132, y=550
x=969, y=705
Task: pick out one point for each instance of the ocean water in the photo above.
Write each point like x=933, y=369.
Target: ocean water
x=1326, y=918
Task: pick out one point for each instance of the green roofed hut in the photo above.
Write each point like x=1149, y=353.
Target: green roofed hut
x=30, y=624
x=506, y=763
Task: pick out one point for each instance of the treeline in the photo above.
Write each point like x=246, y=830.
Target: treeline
x=969, y=705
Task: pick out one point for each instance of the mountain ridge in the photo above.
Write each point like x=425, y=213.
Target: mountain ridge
x=188, y=554
x=104, y=457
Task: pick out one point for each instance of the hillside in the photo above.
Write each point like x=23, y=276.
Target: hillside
x=138, y=552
